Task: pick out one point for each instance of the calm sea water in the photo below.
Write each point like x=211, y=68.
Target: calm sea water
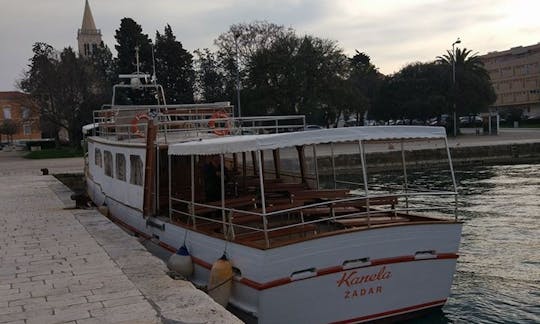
x=498, y=272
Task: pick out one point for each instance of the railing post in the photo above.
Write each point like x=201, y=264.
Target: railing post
x=453, y=178
x=223, y=219
x=193, y=218
x=316, y=166
x=333, y=164
x=263, y=200
x=405, y=177
x=170, y=187
x=364, y=175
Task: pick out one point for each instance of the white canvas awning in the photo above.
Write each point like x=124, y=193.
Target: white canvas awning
x=247, y=143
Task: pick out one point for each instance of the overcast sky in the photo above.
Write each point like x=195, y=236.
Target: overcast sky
x=392, y=32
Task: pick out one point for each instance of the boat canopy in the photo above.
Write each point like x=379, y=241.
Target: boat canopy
x=247, y=143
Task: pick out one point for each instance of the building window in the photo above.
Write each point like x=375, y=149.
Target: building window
x=27, y=129
x=25, y=112
x=7, y=112
x=120, y=167
x=136, y=176
x=97, y=157
x=107, y=160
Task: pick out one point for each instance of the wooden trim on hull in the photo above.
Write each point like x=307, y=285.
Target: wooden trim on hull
x=395, y=312
x=284, y=281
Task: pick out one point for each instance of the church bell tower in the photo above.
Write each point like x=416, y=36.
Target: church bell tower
x=88, y=36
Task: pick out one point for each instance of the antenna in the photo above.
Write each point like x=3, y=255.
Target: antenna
x=137, y=57
x=154, y=78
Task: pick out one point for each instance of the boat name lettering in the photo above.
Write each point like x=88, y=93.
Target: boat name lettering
x=352, y=278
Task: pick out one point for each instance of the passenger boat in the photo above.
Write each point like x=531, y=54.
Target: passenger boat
x=312, y=239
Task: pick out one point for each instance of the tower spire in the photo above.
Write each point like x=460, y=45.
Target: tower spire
x=88, y=20
x=88, y=37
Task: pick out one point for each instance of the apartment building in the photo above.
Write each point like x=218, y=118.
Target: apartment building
x=17, y=107
x=515, y=74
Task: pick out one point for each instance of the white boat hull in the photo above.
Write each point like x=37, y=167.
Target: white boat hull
x=348, y=277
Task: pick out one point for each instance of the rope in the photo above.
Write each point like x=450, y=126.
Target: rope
x=221, y=284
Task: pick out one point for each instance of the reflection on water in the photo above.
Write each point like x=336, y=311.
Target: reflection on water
x=498, y=272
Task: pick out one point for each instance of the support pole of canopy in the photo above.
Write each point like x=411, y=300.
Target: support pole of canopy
x=302, y=162
x=149, y=168
x=193, y=191
x=333, y=164
x=262, y=162
x=315, y=165
x=277, y=163
x=254, y=162
x=222, y=171
x=244, y=171
x=364, y=175
x=170, y=187
x=406, y=184
x=263, y=200
x=453, y=178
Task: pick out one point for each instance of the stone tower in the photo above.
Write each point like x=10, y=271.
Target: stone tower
x=88, y=36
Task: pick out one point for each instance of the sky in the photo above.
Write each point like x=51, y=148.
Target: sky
x=392, y=32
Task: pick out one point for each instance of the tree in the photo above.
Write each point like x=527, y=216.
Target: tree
x=473, y=91
x=365, y=81
x=419, y=90
x=210, y=78
x=9, y=128
x=65, y=88
x=129, y=37
x=174, y=68
x=297, y=76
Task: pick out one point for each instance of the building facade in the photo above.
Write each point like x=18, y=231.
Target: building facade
x=17, y=109
x=515, y=74
x=88, y=37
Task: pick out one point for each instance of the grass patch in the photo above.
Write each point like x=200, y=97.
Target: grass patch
x=55, y=153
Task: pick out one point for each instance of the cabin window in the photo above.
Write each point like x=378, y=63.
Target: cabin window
x=136, y=176
x=107, y=160
x=97, y=157
x=120, y=167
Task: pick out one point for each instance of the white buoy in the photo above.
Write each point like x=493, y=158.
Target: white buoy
x=180, y=262
x=220, y=283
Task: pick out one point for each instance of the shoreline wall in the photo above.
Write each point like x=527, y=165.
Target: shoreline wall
x=461, y=157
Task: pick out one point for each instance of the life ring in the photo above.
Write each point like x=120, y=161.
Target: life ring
x=134, y=127
x=212, y=123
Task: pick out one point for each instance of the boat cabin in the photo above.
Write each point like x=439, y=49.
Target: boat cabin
x=276, y=189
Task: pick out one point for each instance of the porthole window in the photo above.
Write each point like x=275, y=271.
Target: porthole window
x=120, y=167
x=136, y=174
x=97, y=158
x=107, y=161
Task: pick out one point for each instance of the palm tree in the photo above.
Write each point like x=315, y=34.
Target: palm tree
x=465, y=61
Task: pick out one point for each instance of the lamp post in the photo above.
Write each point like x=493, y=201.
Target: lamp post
x=454, y=82
x=236, y=36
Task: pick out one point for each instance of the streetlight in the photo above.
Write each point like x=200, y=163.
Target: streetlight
x=236, y=36
x=458, y=41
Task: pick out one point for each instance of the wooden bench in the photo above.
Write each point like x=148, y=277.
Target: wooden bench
x=375, y=201
x=243, y=201
x=374, y=220
x=319, y=194
x=257, y=236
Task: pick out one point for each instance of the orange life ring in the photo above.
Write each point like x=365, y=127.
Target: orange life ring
x=212, y=123
x=134, y=127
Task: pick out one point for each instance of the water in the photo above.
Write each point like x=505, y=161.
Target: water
x=498, y=272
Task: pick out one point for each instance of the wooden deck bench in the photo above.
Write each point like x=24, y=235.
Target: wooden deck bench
x=319, y=194
x=243, y=201
x=375, y=201
x=374, y=220
x=321, y=211
x=257, y=236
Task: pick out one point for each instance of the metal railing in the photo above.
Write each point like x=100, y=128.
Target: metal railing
x=178, y=122
x=231, y=232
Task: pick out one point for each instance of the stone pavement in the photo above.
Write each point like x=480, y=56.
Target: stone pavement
x=62, y=265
